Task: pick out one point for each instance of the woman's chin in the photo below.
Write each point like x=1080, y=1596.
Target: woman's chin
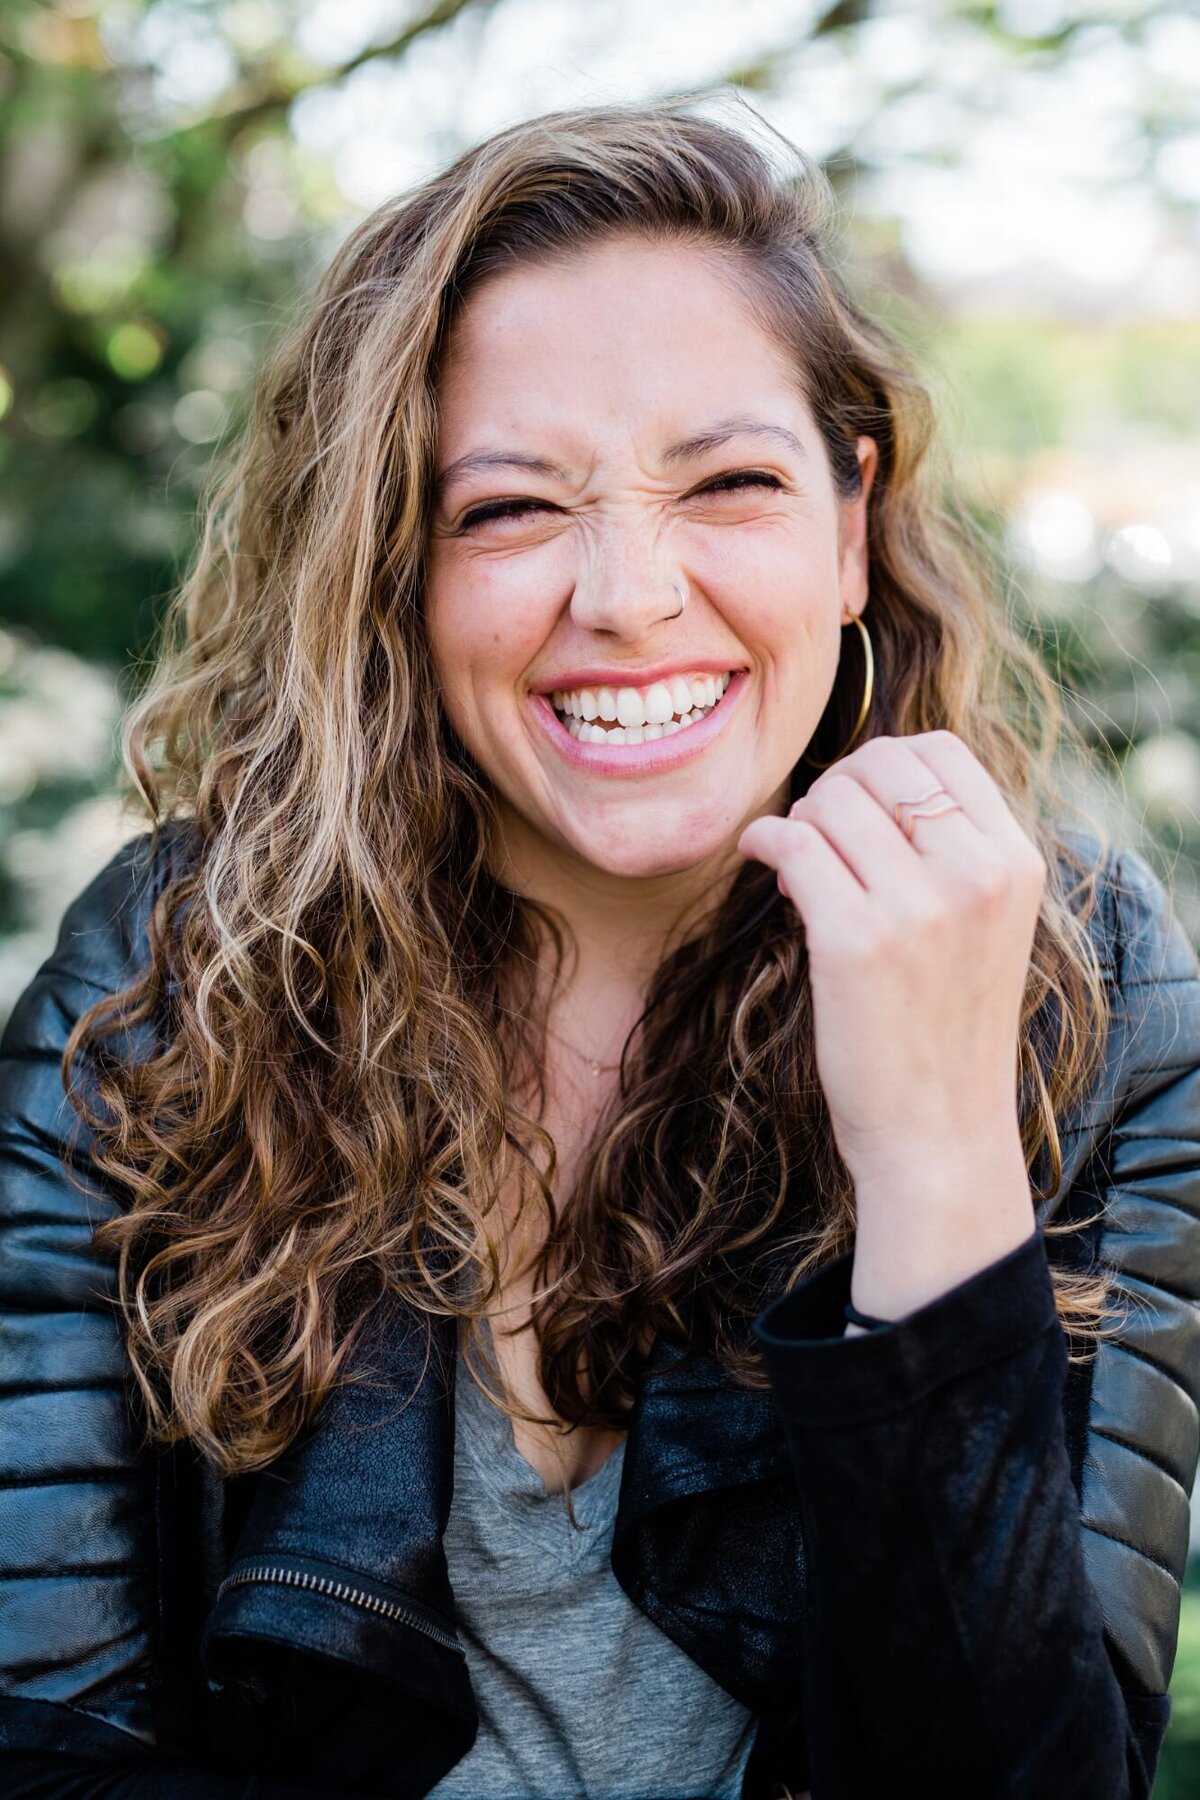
x=650, y=859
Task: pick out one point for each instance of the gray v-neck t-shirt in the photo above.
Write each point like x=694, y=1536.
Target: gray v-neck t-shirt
x=579, y=1693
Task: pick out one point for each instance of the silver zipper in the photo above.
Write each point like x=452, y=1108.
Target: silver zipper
x=323, y=1584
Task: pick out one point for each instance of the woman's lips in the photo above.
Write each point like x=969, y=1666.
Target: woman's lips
x=640, y=759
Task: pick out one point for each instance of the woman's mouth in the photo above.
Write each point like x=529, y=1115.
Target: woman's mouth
x=629, y=715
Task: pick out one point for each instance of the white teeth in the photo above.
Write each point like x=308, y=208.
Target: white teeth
x=630, y=708
x=659, y=704
x=641, y=716
x=633, y=734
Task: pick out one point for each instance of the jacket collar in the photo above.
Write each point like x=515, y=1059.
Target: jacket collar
x=341, y=1561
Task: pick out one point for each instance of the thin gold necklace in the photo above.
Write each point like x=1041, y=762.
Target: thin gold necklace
x=594, y=1064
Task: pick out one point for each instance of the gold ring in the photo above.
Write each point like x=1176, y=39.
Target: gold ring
x=916, y=800
x=930, y=812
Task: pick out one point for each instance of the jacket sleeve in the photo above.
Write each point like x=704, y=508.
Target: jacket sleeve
x=77, y=1541
x=989, y=1614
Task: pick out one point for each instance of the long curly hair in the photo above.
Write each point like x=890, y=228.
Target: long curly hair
x=336, y=973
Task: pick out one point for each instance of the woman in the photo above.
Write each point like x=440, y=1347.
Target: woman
x=645, y=1182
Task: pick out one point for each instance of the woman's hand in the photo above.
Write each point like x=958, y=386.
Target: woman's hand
x=918, y=956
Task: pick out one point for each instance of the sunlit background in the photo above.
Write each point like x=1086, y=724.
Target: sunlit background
x=1021, y=192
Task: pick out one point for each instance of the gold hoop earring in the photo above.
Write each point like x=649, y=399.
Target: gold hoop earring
x=868, y=690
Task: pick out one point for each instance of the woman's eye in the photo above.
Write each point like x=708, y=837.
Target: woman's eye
x=741, y=478
x=499, y=509
x=511, y=509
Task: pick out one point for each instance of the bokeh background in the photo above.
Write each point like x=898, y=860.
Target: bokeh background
x=1020, y=184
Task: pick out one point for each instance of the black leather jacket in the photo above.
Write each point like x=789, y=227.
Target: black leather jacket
x=934, y=1559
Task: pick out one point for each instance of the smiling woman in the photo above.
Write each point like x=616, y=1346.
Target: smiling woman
x=582, y=1259
x=633, y=500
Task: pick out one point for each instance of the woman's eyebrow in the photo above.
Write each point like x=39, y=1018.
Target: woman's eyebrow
x=478, y=460
x=708, y=439
x=714, y=435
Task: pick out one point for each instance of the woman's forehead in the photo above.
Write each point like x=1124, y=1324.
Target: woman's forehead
x=557, y=352
x=621, y=258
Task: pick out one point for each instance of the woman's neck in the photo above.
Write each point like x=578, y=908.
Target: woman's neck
x=617, y=931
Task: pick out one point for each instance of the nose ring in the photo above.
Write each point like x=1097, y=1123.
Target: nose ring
x=682, y=600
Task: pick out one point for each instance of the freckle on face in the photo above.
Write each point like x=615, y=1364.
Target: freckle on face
x=596, y=366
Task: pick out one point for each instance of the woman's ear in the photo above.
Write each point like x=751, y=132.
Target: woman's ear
x=852, y=563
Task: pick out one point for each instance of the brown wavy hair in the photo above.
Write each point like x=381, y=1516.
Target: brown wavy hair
x=336, y=975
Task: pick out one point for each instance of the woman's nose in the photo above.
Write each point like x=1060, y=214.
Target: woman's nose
x=629, y=612
x=626, y=593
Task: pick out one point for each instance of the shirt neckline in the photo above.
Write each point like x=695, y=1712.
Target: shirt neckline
x=510, y=1477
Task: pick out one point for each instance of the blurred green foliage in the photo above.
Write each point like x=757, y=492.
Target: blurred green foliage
x=1024, y=384
x=134, y=304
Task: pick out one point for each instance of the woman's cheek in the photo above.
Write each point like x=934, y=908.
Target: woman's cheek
x=482, y=642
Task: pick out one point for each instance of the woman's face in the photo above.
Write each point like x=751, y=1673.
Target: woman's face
x=613, y=433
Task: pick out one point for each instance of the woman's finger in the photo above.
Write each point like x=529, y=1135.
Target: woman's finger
x=865, y=835
x=893, y=770
x=811, y=872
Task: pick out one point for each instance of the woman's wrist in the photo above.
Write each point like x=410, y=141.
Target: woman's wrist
x=920, y=1233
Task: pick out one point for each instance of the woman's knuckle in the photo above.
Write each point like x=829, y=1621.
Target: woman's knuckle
x=930, y=916
x=877, y=943
x=991, y=881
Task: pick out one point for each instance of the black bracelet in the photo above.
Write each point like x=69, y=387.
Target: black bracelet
x=864, y=1319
